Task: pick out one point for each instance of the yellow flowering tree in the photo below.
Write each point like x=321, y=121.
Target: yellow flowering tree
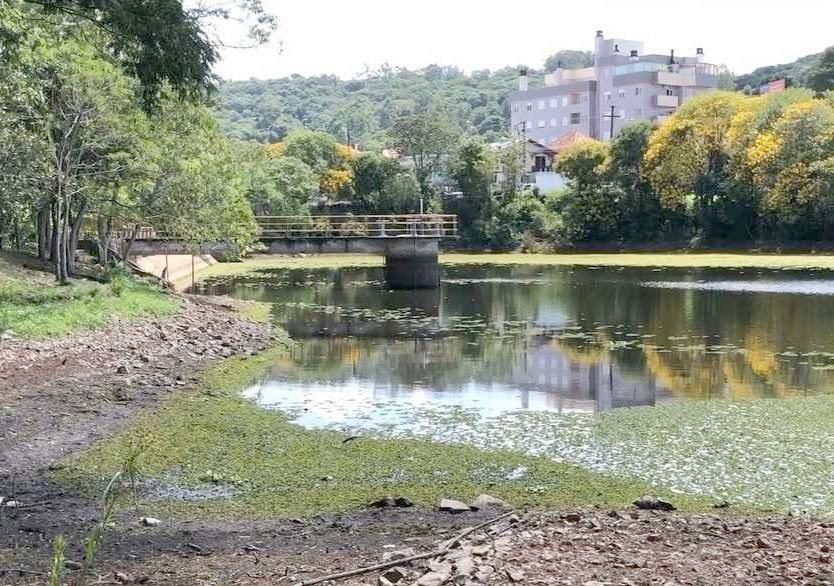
x=686, y=161
x=793, y=166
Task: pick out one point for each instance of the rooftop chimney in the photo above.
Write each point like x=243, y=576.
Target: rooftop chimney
x=599, y=43
x=522, y=80
x=633, y=55
x=699, y=55
x=616, y=48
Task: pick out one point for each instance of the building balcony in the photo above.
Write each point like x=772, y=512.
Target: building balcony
x=666, y=101
x=676, y=78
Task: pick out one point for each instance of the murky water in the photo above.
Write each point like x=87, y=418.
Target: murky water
x=519, y=357
x=504, y=338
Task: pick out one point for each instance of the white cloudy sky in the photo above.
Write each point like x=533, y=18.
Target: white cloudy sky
x=343, y=37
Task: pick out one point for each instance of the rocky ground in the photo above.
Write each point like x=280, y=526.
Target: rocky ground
x=59, y=395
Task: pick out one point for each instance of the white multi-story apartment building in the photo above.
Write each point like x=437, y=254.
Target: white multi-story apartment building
x=623, y=85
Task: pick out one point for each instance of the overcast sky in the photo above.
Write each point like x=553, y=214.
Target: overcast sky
x=343, y=38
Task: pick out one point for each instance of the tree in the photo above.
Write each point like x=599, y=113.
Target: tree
x=274, y=186
x=158, y=41
x=425, y=138
x=85, y=108
x=569, y=59
x=373, y=177
x=726, y=79
x=472, y=168
x=641, y=215
x=590, y=207
x=329, y=160
x=686, y=161
x=793, y=166
x=821, y=76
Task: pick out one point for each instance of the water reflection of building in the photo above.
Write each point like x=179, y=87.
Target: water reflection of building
x=585, y=385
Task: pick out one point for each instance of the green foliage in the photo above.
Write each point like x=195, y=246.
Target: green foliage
x=366, y=108
x=641, y=215
x=472, y=167
x=158, y=41
x=796, y=73
x=821, y=75
x=570, y=59
x=279, y=186
x=57, y=567
x=425, y=138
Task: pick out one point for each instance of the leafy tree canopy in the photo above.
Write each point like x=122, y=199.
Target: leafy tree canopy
x=570, y=59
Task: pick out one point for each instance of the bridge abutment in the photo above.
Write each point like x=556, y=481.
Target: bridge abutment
x=412, y=263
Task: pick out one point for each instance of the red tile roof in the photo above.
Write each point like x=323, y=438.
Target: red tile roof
x=568, y=140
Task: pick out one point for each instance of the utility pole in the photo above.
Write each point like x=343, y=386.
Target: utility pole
x=612, y=116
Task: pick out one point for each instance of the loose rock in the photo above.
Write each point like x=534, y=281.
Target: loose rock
x=653, y=503
x=485, y=501
x=452, y=506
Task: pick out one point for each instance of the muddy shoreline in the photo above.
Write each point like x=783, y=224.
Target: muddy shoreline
x=60, y=395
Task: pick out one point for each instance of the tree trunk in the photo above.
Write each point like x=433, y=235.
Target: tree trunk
x=104, y=236
x=126, y=247
x=44, y=225
x=74, y=234
x=55, y=241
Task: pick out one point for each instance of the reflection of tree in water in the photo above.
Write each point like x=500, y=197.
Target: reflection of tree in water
x=488, y=323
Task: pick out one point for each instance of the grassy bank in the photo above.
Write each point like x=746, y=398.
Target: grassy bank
x=655, y=260
x=213, y=438
x=32, y=304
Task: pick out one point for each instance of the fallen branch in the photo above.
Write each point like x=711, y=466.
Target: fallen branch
x=420, y=556
x=21, y=571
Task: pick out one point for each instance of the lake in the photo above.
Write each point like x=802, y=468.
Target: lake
x=498, y=339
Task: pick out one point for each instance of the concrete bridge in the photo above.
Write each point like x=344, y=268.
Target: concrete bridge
x=410, y=243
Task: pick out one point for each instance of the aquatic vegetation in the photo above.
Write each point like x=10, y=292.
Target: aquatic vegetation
x=767, y=454
x=282, y=469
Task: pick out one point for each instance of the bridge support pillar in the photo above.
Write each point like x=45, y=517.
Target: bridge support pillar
x=412, y=263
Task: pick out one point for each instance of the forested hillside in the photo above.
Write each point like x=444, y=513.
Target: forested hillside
x=265, y=110
x=795, y=72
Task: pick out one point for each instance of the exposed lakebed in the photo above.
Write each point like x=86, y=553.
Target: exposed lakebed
x=542, y=359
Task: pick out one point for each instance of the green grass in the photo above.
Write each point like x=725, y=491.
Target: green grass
x=278, y=468
x=32, y=305
x=672, y=260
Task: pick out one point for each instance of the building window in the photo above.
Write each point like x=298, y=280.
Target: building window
x=584, y=98
x=607, y=96
x=541, y=124
x=638, y=112
x=564, y=120
x=515, y=107
x=575, y=118
x=669, y=93
x=554, y=103
x=637, y=91
x=564, y=100
x=574, y=99
x=529, y=107
x=541, y=104
x=621, y=93
x=554, y=122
